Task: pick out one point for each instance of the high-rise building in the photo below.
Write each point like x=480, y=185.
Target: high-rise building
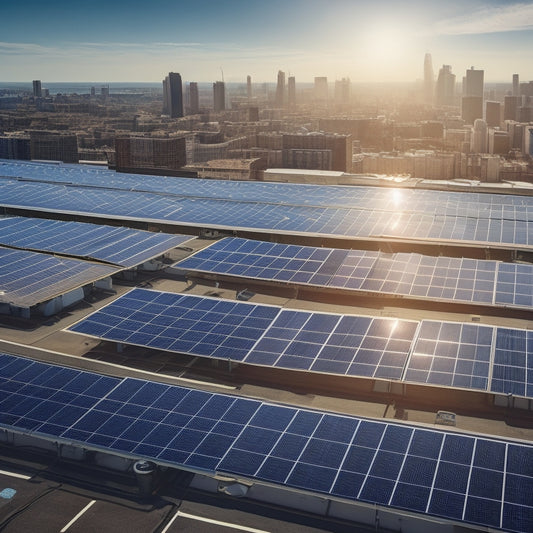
x=280, y=89
x=429, y=79
x=342, y=91
x=292, y=92
x=471, y=108
x=37, y=89
x=219, y=96
x=321, y=89
x=194, y=98
x=445, y=88
x=473, y=82
x=479, y=140
x=516, y=85
x=510, y=107
x=173, y=95
x=493, y=112
x=249, y=86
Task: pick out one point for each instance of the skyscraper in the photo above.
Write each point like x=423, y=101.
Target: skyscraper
x=471, y=108
x=292, y=92
x=321, y=89
x=493, y=114
x=249, y=86
x=280, y=89
x=37, y=90
x=429, y=79
x=173, y=95
x=342, y=91
x=474, y=82
x=194, y=98
x=445, y=88
x=219, y=96
x=516, y=85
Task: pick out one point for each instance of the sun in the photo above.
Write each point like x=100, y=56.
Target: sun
x=385, y=48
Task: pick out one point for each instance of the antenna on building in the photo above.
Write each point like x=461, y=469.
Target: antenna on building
x=222, y=72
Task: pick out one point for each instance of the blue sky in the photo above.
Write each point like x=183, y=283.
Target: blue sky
x=367, y=41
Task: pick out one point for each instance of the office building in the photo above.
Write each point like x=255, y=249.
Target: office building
x=292, y=92
x=249, y=86
x=429, y=79
x=321, y=89
x=173, y=95
x=149, y=153
x=479, y=140
x=473, y=83
x=445, y=88
x=37, y=89
x=498, y=142
x=342, y=91
x=528, y=141
x=53, y=146
x=471, y=108
x=317, y=151
x=493, y=112
x=510, y=107
x=194, y=98
x=280, y=89
x=516, y=85
x=219, y=96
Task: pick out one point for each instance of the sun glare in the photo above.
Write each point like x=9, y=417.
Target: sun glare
x=384, y=48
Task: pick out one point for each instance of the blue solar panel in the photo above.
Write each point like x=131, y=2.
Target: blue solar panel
x=29, y=278
x=422, y=470
x=334, y=211
x=451, y=354
x=513, y=365
x=413, y=275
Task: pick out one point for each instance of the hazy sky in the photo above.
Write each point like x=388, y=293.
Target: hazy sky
x=367, y=41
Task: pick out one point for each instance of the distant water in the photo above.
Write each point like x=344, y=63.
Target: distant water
x=84, y=88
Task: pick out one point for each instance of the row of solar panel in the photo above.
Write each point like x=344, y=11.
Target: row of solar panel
x=440, y=353
x=469, y=478
x=30, y=278
x=352, y=222
x=430, y=202
x=413, y=275
x=122, y=246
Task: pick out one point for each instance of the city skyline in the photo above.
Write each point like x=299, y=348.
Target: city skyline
x=381, y=42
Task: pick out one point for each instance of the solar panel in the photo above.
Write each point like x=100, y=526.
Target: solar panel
x=182, y=323
x=446, y=354
x=122, y=246
x=472, y=206
x=412, y=275
x=355, y=220
x=437, y=472
x=335, y=344
x=29, y=278
x=451, y=354
x=513, y=362
x=513, y=285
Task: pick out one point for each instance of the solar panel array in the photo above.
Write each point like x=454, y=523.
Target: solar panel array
x=413, y=275
x=29, y=278
x=263, y=207
x=427, y=352
x=475, y=479
x=432, y=202
x=118, y=245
